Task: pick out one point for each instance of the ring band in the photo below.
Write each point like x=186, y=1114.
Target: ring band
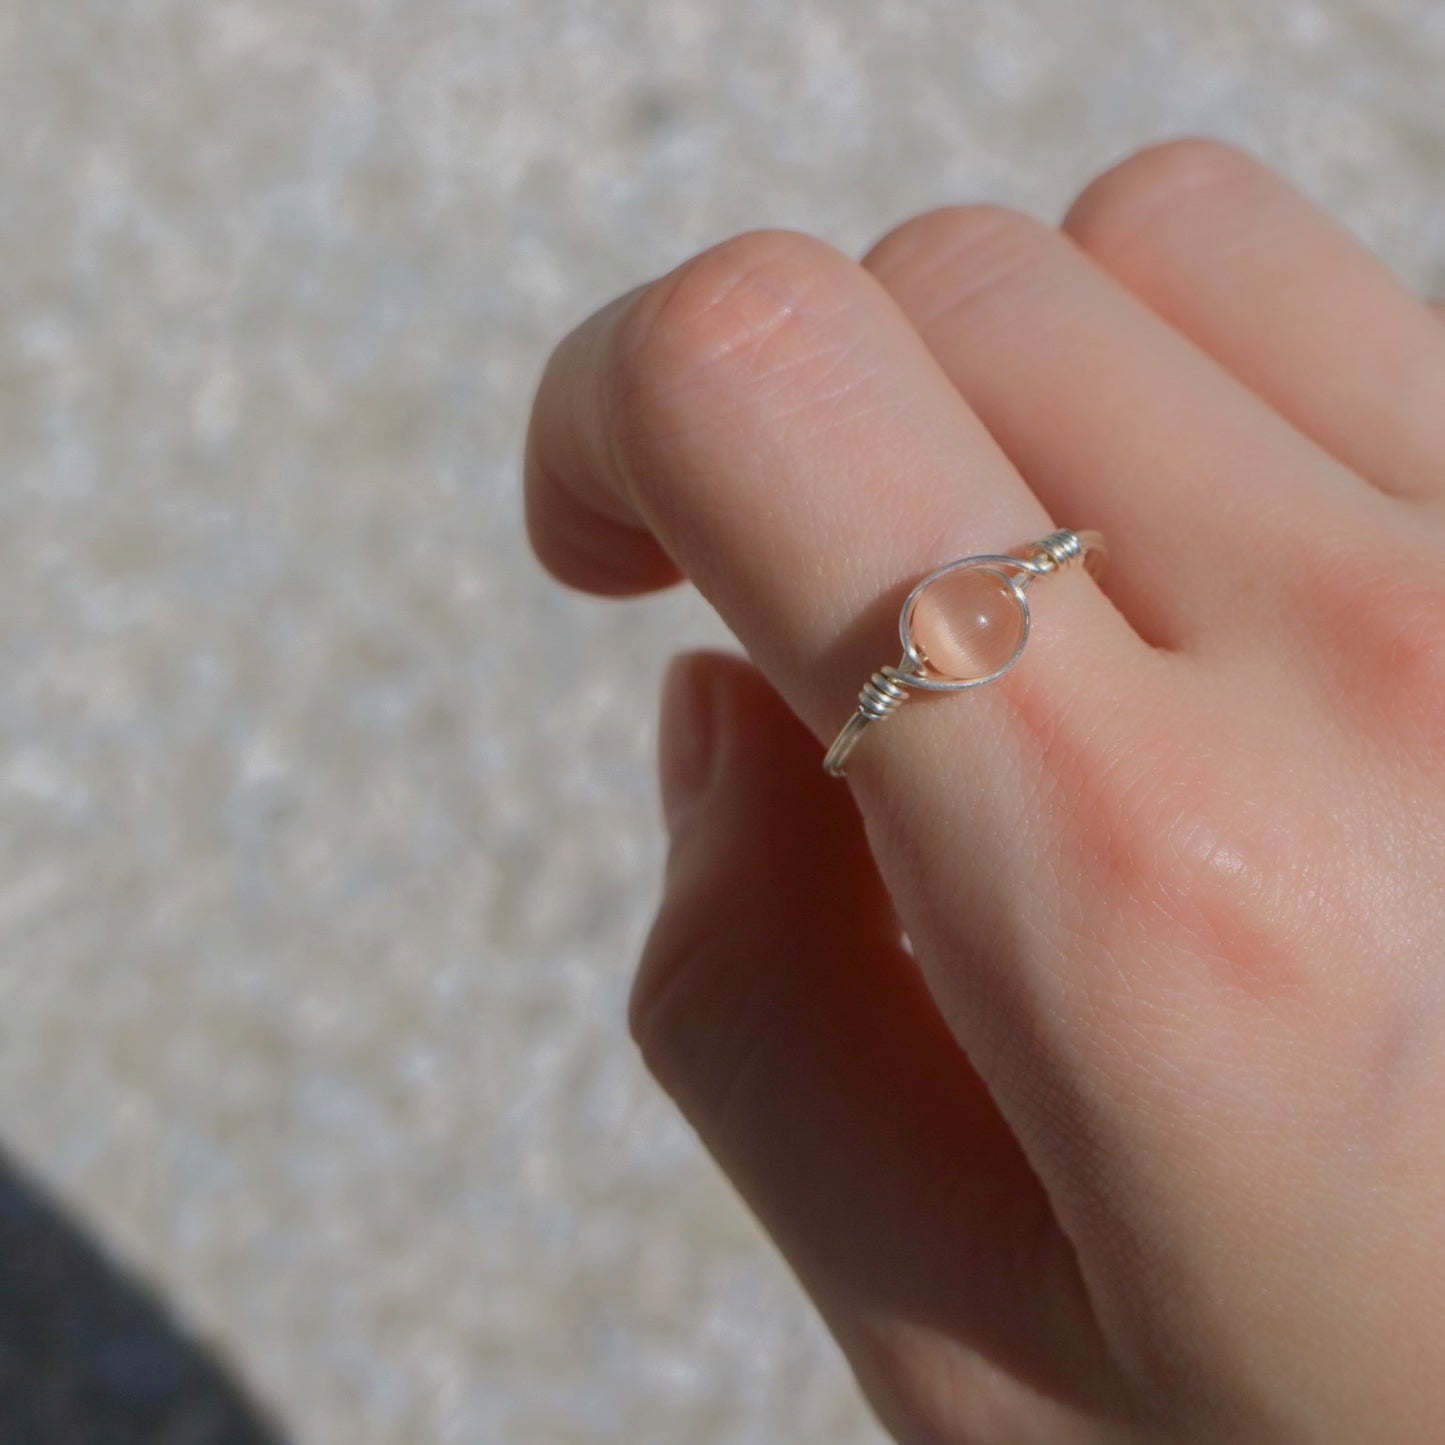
x=962, y=626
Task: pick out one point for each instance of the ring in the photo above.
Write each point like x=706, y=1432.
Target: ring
x=962, y=626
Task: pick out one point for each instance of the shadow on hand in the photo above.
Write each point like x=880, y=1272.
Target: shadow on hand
x=87, y=1356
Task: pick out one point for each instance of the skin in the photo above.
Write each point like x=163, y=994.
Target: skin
x=1137, y=1135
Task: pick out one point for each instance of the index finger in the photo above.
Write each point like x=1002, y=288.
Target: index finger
x=767, y=422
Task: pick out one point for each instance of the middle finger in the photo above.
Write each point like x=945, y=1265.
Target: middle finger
x=1109, y=412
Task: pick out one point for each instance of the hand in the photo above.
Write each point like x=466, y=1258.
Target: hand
x=1143, y=1139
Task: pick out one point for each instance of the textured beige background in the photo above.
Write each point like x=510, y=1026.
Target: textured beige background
x=328, y=824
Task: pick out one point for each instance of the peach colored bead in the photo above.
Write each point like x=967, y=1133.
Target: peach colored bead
x=967, y=625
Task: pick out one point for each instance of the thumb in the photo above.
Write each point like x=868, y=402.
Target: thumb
x=779, y=1006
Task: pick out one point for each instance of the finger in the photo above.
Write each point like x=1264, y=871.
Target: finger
x=599, y=544
x=1110, y=413
x=594, y=553
x=778, y=1006
x=770, y=417
x=1283, y=297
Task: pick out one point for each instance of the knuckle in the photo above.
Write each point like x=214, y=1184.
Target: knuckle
x=1159, y=187
x=1410, y=640
x=717, y=1045
x=1384, y=649
x=742, y=308
x=923, y=1387
x=696, y=989
x=1226, y=877
x=661, y=976
x=977, y=251
x=1209, y=871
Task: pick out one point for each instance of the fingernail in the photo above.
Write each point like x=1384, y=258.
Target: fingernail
x=687, y=734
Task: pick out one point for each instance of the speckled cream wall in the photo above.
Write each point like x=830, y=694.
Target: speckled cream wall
x=328, y=823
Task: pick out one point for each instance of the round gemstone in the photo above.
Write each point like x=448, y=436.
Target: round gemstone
x=968, y=624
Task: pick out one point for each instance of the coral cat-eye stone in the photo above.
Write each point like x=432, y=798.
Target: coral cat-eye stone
x=968, y=624
x=962, y=625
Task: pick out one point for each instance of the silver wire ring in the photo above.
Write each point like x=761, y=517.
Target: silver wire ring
x=887, y=690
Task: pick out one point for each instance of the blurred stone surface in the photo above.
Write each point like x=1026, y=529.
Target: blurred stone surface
x=328, y=823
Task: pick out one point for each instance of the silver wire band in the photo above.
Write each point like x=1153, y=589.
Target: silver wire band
x=887, y=690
